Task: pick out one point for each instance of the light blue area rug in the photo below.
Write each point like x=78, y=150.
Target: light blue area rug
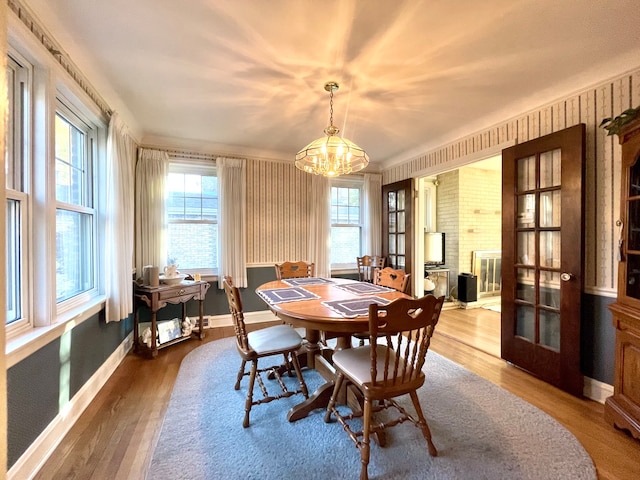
x=480, y=430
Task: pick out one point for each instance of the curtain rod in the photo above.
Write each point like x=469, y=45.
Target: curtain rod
x=175, y=152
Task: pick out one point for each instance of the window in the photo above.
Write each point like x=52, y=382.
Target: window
x=55, y=179
x=346, y=223
x=75, y=212
x=192, y=212
x=17, y=198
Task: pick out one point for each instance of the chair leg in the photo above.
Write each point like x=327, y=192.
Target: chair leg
x=332, y=403
x=287, y=363
x=249, y=401
x=296, y=367
x=364, y=446
x=240, y=374
x=424, y=426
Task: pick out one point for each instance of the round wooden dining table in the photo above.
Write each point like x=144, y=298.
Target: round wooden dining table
x=311, y=309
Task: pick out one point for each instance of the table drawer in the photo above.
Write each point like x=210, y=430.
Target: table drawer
x=178, y=291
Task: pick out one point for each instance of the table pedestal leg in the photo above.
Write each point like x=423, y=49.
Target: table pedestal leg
x=319, y=399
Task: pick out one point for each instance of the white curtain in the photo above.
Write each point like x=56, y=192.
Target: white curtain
x=151, y=174
x=373, y=214
x=320, y=228
x=232, y=219
x=119, y=238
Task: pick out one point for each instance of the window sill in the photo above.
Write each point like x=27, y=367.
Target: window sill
x=24, y=344
x=208, y=276
x=344, y=270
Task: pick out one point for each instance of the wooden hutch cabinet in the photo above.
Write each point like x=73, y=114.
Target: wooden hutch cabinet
x=623, y=408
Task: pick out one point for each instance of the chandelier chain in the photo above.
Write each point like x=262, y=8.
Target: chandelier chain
x=331, y=108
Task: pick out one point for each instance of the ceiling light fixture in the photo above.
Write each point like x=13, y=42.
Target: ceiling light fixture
x=332, y=155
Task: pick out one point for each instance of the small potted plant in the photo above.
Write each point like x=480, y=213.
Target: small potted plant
x=613, y=125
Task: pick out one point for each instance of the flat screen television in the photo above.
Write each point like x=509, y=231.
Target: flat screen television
x=434, y=248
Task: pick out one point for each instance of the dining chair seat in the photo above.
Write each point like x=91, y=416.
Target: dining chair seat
x=355, y=363
x=273, y=340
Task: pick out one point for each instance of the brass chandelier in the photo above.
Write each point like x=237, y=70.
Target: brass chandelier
x=331, y=155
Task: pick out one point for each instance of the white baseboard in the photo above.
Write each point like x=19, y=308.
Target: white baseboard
x=249, y=317
x=596, y=390
x=39, y=451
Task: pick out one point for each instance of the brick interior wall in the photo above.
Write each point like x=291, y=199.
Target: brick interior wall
x=468, y=211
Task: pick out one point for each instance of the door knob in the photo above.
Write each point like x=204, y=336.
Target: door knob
x=565, y=277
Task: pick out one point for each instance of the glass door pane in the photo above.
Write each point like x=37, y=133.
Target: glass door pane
x=396, y=229
x=538, y=247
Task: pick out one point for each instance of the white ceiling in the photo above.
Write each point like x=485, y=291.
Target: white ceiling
x=247, y=76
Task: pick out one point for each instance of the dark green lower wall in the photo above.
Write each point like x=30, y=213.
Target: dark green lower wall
x=598, y=339
x=40, y=385
x=33, y=388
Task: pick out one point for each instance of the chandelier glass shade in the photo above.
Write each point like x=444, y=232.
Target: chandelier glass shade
x=331, y=155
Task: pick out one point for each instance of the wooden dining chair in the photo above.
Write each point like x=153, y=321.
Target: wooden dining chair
x=384, y=370
x=367, y=265
x=295, y=270
x=266, y=342
x=387, y=277
x=392, y=278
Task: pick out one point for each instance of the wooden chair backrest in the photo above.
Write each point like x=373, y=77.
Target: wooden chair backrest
x=367, y=265
x=237, y=313
x=389, y=277
x=295, y=270
x=407, y=325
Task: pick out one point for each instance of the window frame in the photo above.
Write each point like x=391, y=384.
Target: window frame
x=20, y=93
x=351, y=183
x=202, y=168
x=88, y=206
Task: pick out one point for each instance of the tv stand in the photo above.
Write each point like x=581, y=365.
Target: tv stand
x=438, y=274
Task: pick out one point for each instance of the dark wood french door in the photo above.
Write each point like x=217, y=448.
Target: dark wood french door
x=542, y=256
x=397, y=231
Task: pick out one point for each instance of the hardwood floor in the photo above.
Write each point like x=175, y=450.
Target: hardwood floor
x=116, y=435
x=478, y=328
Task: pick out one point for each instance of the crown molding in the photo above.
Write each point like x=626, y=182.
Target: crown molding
x=23, y=13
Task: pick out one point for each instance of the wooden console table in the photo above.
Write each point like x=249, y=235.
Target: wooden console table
x=156, y=298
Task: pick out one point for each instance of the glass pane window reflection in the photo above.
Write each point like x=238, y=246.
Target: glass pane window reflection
x=76, y=221
x=192, y=211
x=347, y=223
